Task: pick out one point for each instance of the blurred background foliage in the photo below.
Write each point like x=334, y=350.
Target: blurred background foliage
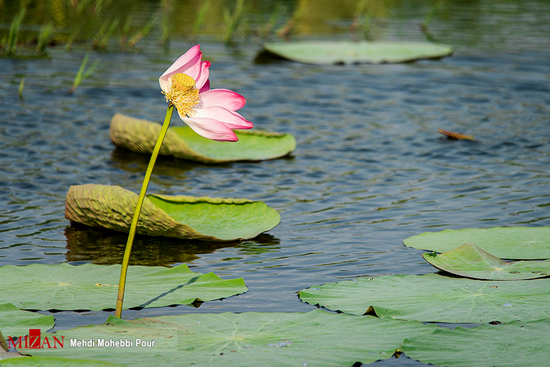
x=30, y=27
x=125, y=24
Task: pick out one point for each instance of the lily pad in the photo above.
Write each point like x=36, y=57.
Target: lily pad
x=15, y=322
x=340, y=52
x=247, y=339
x=182, y=142
x=472, y=262
x=521, y=243
x=521, y=344
x=95, y=287
x=55, y=362
x=186, y=217
x=435, y=298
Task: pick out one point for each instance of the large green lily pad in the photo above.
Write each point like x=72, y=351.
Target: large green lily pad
x=95, y=287
x=342, y=52
x=435, y=298
x=55, y=362
x=521, y=344
x=315, y=338
x=15, y=322
x=186, y=217
x=521, y=243
x=470, y=261
x=182, y=142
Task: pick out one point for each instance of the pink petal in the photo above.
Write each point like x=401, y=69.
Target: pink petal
x=205, y=87
x=182, y=65
x=224, y=98
x=210, y=128
x=205, y=65
x=229, y=118
x=194, y=71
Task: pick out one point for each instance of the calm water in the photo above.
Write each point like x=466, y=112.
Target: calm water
x=369, y=171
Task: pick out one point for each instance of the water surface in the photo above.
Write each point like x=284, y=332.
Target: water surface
x=369, y=171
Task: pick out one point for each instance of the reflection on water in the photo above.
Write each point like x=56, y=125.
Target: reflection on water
x=136, y=163
x=85, y=244
x=102, y=246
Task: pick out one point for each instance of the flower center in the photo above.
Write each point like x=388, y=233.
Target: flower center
x=182, y=93
x=183, y=82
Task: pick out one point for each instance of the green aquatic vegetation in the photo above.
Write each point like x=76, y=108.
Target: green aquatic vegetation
x=435, y=298
x=9, y=45
x=516, y=343
x=104, y=34
x=519, y=243
x=15, y=322
x=143, y=31
x=286, y=29
x=98, y=5
x=185, y=217
x=100, y=33
x=83, y=6
x=200, y=18
x=72, y=36
x=94, y=287
x=348, y=52
x=165, y=25
x=232, y=20
x=246, y=339
x=21, y=87
x=44, y=38
x=182, y=142
x=265, y=30
x=55, y=362
x=83, y=73
x=361, y=21
x=124, y=32
x=429, y=17
x=470, y=261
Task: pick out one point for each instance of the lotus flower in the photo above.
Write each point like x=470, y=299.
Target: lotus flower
x=209, y=112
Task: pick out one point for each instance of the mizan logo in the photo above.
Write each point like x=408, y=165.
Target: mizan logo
x=35, y=341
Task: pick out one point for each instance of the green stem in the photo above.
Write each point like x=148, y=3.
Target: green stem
x=133, y=226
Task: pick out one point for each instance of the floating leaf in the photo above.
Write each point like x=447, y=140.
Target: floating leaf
x=15, y=322
x=472, y=262
x=182, y=142
x=315, y=338
x=94, y=287
x=436, y=298
x=455, y=136
x=504, y=242
x=521, y=344
x=340, y=52
x=55, y=362
x=186, y=217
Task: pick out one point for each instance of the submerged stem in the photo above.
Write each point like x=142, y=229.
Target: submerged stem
x=141, y=198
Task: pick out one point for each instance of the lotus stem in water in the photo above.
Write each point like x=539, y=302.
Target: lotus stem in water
x=133, y=225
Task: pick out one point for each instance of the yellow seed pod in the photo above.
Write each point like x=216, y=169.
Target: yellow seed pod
x=183, y=82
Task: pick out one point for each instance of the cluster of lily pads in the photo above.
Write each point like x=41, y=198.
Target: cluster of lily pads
x=378, y=317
